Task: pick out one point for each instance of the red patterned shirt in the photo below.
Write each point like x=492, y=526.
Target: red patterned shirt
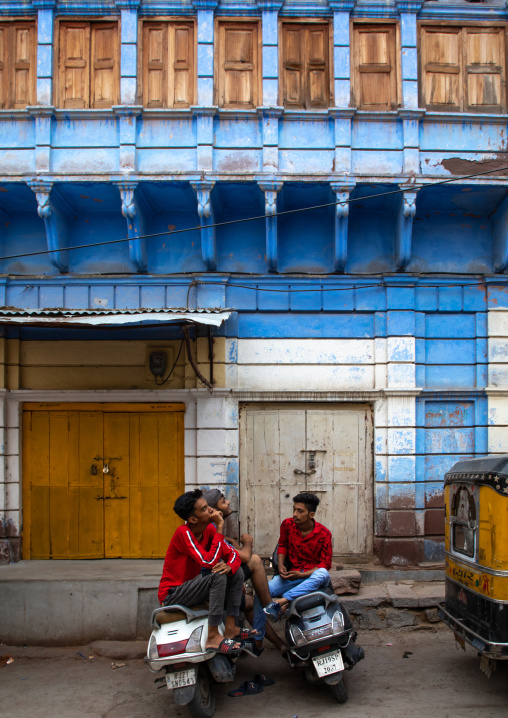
x=306, y=552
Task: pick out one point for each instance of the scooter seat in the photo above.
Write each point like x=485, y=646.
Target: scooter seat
x=312, y=600
x=174, y=616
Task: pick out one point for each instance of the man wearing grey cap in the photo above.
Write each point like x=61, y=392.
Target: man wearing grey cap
x=253, y=569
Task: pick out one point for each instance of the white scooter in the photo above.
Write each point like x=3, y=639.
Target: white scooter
x=177, y=647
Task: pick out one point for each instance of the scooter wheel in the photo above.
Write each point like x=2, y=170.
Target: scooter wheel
x=339, y=691
x=203, y=703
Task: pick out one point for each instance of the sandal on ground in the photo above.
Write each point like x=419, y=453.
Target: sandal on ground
x=274, y=611
x=226, y=647
x=249, y=688
x=246, y=635
x=262, y=680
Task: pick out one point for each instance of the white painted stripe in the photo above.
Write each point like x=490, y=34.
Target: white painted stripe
x=305, y=378
x=305, y=351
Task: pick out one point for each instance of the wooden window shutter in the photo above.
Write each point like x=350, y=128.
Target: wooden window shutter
x=293, y=64
x=23, y=42
x=4, y=79
x=375, y=75
x=318, y=82
x=155, y=64
x=181, y=89
x=104, y=65
x=17, y=65
x=74, y=65
x=238, y=65
x=441, y=68
x=484, y=61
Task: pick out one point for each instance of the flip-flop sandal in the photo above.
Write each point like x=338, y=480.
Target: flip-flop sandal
x=246, y=635
x=226, y=647
x=262, y=680
x=249, y=688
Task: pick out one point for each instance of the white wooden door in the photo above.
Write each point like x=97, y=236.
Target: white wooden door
x=325, y=449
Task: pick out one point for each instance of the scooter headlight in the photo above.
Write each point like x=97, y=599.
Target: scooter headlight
x=153, y=653
x=297, y=636
x=194, y=642
x=337, y=622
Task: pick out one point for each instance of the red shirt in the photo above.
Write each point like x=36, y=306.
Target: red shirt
x=306, y=552
x=186, y=556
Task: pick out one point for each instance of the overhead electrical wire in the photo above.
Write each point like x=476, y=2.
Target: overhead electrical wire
x=409, y=188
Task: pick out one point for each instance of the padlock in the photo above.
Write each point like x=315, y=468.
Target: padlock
x=105, y=469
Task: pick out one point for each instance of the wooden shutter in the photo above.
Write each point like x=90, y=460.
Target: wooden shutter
x=104, y=65
x=238, y=65
x=74, y=65
x=155, y=64
x=23, y=64
x=375, y=76
x=4, y=79
x=484, y=62
x=17, y=65
x=441, y=68
x=293, y=64
x=318, y=83
x=305, y=66
x=181, y=89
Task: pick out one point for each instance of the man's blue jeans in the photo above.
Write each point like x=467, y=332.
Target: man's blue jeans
x=280, y=587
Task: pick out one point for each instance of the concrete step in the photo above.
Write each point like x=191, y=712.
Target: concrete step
x=62, y=603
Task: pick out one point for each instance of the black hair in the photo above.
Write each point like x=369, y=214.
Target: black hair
x=311, y=501
x=184, y=505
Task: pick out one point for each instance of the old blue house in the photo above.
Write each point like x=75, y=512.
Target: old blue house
x=150, y=341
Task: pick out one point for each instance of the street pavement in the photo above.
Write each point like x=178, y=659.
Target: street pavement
x=406, y=672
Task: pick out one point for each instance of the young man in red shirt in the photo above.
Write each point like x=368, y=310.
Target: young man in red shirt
x=308, y=546
x=253, y=568
x=200, y=566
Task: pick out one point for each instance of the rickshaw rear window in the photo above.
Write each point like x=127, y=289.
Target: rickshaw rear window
x=463, y=539
x=463, y=528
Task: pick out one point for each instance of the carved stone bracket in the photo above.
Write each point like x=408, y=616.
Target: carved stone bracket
x=342, y=192
x=271, y=189
x=135, y=214
x=55, y=223
x=203, y=189
x=404, y=229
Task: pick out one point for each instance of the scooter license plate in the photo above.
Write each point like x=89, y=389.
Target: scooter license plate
x=329, y=663
x=181, y=678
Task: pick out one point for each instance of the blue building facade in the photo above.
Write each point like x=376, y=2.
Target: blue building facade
x=388, y=298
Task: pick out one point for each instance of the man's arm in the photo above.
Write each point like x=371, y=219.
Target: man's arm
x=282, y=551
x=244, y=550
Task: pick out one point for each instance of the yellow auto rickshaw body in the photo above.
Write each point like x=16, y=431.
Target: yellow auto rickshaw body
x=476, y=554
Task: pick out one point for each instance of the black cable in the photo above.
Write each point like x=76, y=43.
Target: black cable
x=161, y=383
x=413, y=188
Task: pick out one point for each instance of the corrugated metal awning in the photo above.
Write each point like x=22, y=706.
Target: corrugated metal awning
x=101, y=317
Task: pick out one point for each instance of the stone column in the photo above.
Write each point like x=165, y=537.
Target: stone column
x=408, y=10
x=45, y=33
x=128, y=50
x=205, y=10
x=269, y=38
x=341, y=52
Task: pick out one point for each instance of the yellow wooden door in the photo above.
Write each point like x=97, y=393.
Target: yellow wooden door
x=100, y=480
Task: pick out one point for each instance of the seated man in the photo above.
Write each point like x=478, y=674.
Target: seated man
x=200, y=566
x=253, y=569
x=308, y=546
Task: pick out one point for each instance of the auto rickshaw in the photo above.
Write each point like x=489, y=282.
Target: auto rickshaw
x=476, y=556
